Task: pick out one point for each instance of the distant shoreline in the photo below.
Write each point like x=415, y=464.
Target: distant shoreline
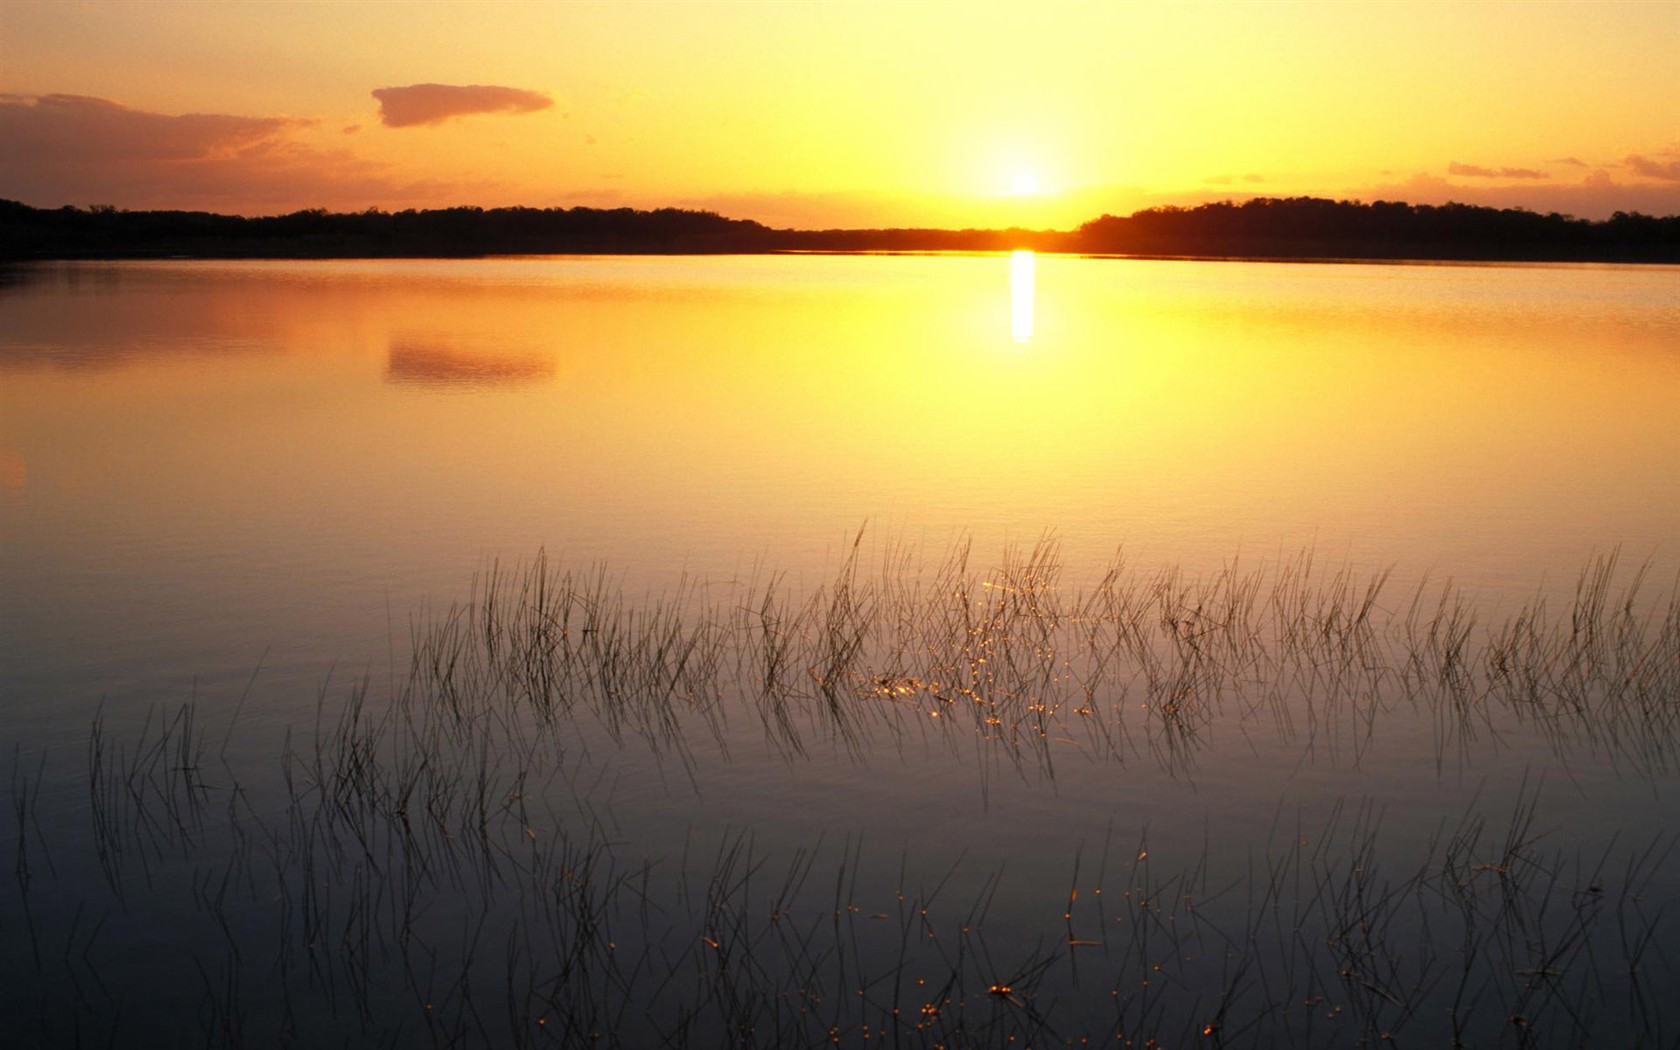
x=1294, y=229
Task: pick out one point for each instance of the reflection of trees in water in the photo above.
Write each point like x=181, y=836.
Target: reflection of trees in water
x=94, y=357
x=14, y=277
x=91, y=315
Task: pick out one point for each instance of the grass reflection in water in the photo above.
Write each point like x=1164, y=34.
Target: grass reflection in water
x=429, y=868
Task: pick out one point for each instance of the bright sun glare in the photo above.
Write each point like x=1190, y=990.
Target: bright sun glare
x=1024, y=184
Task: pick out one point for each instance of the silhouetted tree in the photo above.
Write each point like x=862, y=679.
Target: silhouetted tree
x=1296, y=227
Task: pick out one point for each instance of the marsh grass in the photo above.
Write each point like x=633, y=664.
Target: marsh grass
x=438, y=866
x=1137, y=665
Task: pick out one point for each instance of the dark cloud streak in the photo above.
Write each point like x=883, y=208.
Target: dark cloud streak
x=1653, y=169
x=1478, y=172
x=1597, y=196
x=418, y=105
x=80, y=129
x=74, y=149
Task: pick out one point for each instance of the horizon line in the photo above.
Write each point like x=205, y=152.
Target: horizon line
x=101, y=208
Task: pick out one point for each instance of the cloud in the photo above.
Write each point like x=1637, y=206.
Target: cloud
x=1573, y=162
x=422, y=104
x=77, y=128
x=1475, y=171
x=73, y=149
x=1653, y=169
x=1596, y=196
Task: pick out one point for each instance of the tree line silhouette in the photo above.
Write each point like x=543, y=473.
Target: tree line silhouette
x=1296, y=227
x=1310, y=227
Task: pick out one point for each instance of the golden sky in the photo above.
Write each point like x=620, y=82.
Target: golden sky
x=986, y=114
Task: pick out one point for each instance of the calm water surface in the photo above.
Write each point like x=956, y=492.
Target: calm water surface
x=201, y=461
x=249, y=485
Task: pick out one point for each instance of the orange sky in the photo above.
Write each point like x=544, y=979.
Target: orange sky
x=1026, y=113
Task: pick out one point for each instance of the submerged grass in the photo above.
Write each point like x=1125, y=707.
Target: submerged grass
x=432, y=867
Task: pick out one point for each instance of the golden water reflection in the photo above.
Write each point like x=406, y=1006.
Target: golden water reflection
x=1023, y=267
x=1478, y=421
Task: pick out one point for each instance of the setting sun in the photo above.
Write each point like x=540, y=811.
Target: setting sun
x=834, y=115
x=646, y=497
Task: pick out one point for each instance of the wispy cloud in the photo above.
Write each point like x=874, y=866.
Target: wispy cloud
x=418, y=105
x=1476, y=171
x=78, y=128
x=1667, y=171
x=1595, y=196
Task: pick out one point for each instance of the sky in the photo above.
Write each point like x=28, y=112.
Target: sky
x=820, y=115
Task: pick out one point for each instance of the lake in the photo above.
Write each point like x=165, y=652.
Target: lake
x=861, y=650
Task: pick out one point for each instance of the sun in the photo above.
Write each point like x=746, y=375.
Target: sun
x=1025, y=184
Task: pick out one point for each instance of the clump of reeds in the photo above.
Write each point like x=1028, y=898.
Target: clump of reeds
x=1135, y=664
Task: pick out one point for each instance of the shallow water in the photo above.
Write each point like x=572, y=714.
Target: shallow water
x=253, y=485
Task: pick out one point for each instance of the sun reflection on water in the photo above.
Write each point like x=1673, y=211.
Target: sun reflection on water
x=1022, y=272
